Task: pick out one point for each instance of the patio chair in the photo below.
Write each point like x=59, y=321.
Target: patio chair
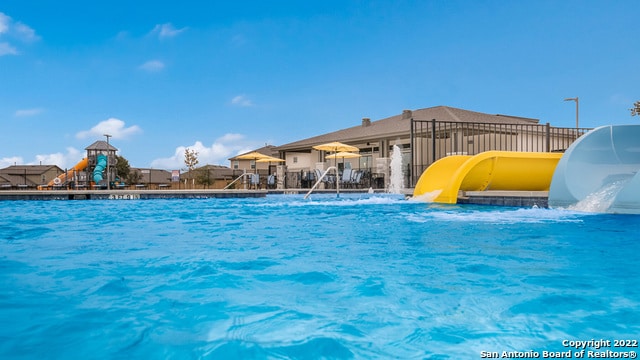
x=254, y=179
x=328, y=179
x=345, y=179
x=271, y=181
x=356, y=179
x=308, y=179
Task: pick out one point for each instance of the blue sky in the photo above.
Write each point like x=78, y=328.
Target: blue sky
x=223, y=77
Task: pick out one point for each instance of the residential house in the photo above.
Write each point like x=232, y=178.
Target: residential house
x=27, y=176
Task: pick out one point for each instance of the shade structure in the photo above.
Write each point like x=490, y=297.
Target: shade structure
x=343, y=155
x=270, y=159
x=254, y=155
x=336, y=147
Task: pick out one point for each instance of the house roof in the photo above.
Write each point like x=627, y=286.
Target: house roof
x=269, y=150
x=399, y=125
x=101, y=145
x=21, y=170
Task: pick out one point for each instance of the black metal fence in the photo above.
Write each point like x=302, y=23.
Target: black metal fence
x=432, y=140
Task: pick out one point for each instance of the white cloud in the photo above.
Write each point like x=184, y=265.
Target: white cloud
x=4, y=23
x=28, y=112
x=166, y=30
x=217, y=153
x=64, y=161
x=25, y=33
x=8, y=161
x=112, y=126
x=7, y=49
x=152, y=66
x=14, y=30
x=241, y=100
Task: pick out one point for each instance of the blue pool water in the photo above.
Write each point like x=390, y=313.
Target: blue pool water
x=360, y=276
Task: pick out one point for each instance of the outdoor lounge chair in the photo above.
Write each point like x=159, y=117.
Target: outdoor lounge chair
x=356, y=178
x=254, y=179
x=345, y=179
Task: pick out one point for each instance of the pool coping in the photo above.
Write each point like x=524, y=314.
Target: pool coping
x=499, y=198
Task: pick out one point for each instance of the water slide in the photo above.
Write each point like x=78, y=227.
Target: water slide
x=599, y=172
x=101, y=165
x=70, y=174
x=489, y=170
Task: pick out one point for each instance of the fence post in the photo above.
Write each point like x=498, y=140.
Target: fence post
x=548, y=143
x=433, y=140
x=413, y=149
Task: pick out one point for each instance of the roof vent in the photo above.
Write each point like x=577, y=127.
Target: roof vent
x=406, y=114
x=366, y=122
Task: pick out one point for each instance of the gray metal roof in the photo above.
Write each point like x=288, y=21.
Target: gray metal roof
x=101, y=145
x=21, y=170
x=399, y=125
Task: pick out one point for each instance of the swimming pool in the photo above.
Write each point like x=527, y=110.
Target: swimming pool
x=360, y=276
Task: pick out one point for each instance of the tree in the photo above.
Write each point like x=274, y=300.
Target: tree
x=122, y=168
x=635, y=110
x=203, y=176
x=133, y=177
x=190, y=160
x=124, y=173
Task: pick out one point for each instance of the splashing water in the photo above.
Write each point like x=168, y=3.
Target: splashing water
x=396, y=184
x=600, y=201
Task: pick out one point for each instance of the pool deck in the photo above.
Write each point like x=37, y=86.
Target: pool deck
x=498, y=198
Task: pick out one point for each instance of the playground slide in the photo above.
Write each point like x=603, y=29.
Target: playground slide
x=101, y=165
x=600, y=168
x=489, y=170
x=70, y=174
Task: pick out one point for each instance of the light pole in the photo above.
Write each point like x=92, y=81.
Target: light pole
x=108, y=151
x=576, y=100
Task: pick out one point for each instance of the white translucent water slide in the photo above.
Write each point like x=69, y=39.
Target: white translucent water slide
x=600, y=166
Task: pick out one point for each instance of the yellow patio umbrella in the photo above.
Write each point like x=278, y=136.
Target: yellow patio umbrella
x=254, y=155
x=269, y=160
x=343, y=155
x=336, y=147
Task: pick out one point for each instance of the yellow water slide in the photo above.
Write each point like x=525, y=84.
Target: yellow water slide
x=70, y=174
x=489, y=170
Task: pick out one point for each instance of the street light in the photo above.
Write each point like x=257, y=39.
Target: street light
x=576, y=100
x=108, y=148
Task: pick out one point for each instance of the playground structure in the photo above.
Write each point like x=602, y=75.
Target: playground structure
x=93, y=171
x=490, y=170
x=599, y=172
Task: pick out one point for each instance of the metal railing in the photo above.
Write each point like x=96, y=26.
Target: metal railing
x=432, y=140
